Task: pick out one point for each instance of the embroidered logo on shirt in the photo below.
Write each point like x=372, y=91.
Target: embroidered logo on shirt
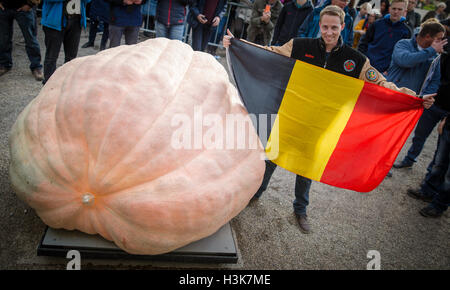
x=309, y=55
x=371, y=75
x=349, y=65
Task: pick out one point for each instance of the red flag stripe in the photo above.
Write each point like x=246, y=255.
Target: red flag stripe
x=379, y=116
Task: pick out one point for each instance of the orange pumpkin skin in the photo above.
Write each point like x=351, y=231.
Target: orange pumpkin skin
x=93, y=150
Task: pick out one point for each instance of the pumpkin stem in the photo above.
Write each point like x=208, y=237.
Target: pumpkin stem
x=88, y=198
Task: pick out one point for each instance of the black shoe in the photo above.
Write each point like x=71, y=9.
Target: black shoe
x=38, y=75
x=149, y=34
x=430, y=211
x=417, y=194
x=302, y=221
x=4, y=70
x=87, y=44
x=404, y=164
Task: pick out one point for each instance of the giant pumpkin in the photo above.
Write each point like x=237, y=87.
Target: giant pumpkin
x=94, y=150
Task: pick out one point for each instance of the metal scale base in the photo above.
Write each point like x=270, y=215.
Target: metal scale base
x=217, y=248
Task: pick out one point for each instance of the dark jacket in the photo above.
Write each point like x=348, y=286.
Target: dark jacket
x=289, y=21
x=258, y=27
x=99, y=10
x=443, y=95
x=312, y=50
x=412, y=19
x=379, y=41
x=197, y=8
x=16, y=4
x=125, y=15
x=310, y=27
x=171, y=12
x=342, y=59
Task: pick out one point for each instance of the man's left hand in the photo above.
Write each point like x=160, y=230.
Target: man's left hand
x=441, y=126
x=227, y=39
x=215, y=21
x=428, y=100
x=25, y=8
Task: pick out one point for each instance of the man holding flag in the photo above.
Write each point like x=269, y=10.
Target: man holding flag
x=331, y=53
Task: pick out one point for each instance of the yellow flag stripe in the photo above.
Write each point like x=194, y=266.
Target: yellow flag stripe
x=315, y=109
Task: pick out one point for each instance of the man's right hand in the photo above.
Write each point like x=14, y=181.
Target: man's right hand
x=265, y=17
x=202, y=19
x=428, y=100
x=226, y=41
x=1, y=6
x=438, y=45
x=128, y=2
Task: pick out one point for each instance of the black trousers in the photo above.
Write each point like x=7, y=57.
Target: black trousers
x=200, y=36
x=93, y=33
x=69, y=36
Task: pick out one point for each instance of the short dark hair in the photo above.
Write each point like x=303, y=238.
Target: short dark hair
x=431, y=27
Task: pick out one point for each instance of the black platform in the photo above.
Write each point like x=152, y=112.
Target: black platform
x=217, y=248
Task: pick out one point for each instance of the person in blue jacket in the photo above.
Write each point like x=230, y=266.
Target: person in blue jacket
x=62, y=21
x=414, y=65
x=310, y=27
x=203, y=16
x=379, y=41
x=435, y=188
x=98, y=13
x=170, y=16
x=411, y=58
x=125, y=19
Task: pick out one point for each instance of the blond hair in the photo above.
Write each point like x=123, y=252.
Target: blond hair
x=366, y=6
x=400, y=1
x=333, y=10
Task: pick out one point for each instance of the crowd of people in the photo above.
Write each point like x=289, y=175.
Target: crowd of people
x=396, y=49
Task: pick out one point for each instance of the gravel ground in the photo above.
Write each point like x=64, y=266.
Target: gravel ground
x=346, y=224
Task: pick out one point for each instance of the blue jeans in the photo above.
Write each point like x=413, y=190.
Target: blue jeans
x=26, y=21
x=437, y=182
x=302, y=186
x=170, y=32
x=424, y=127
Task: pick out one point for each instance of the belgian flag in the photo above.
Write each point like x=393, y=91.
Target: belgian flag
x=329, y=127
